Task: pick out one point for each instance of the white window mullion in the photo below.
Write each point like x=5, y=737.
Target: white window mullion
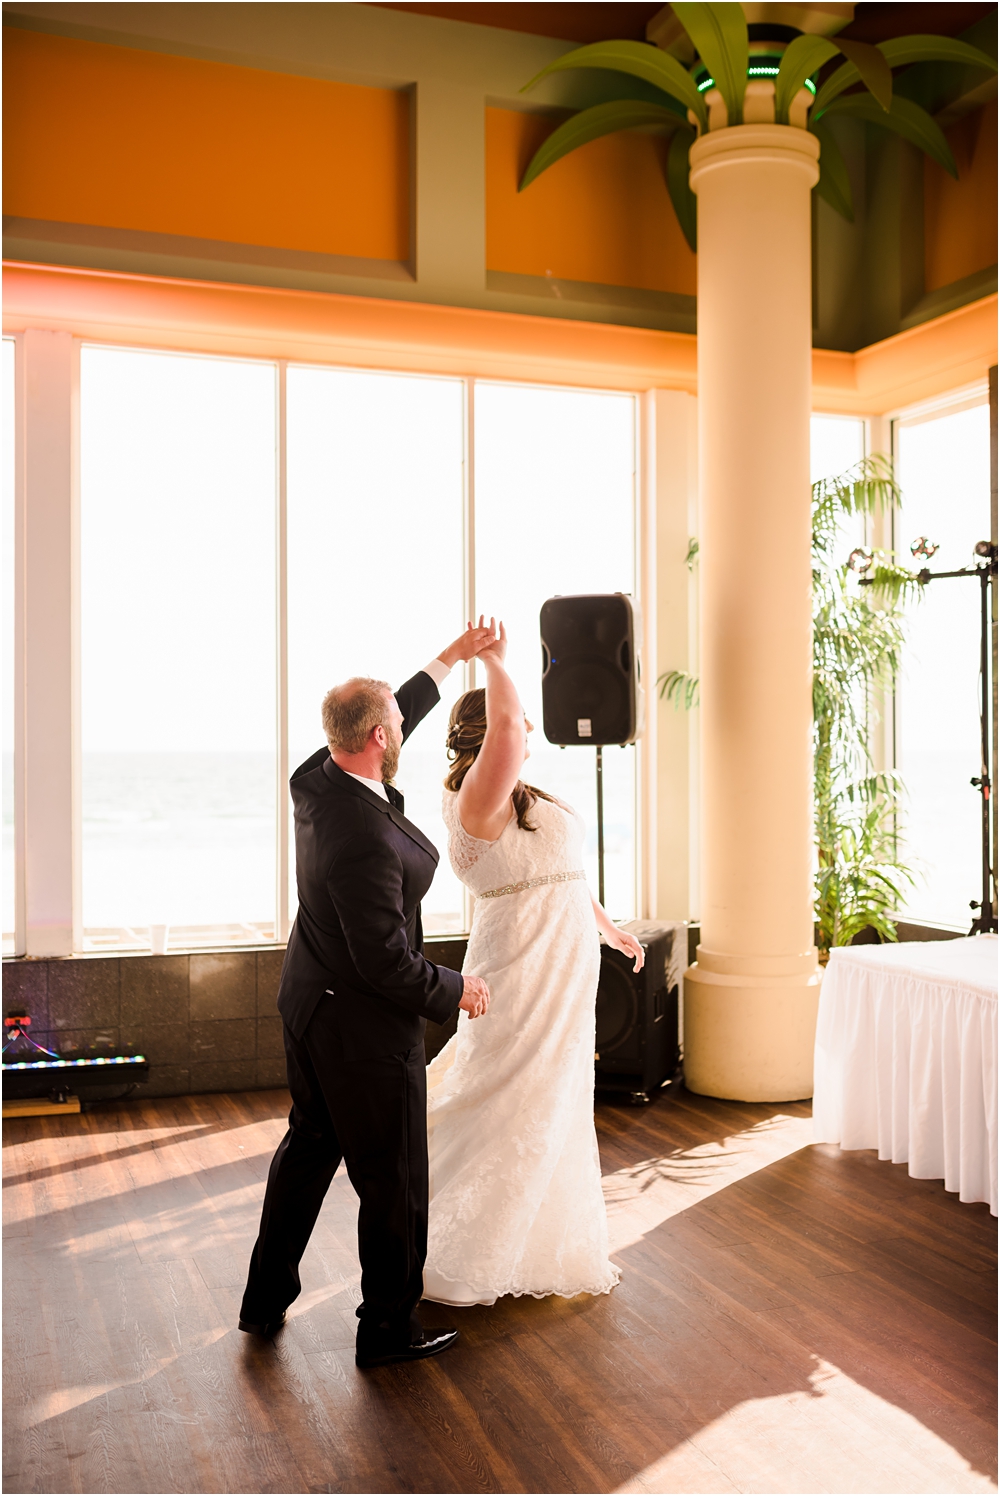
x=470, y=517
x=20, y=907
x=645, y=589
x=469, y=670
x=47, y=679
x=282, y=920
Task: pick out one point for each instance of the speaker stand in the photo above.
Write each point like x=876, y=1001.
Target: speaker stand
x=600, y=825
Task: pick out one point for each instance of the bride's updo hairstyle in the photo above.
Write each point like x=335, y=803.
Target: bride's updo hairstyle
x=466, y=731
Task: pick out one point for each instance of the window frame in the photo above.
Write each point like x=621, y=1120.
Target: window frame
x=31, y=659
x=951, y=402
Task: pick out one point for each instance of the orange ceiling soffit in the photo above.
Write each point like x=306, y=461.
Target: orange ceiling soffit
x=265, y=322
x=945, y=354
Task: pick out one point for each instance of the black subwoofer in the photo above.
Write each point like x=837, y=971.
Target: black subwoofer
x=590, y=670
x=638, y=1043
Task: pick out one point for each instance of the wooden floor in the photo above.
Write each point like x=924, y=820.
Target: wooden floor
x=790, y=1319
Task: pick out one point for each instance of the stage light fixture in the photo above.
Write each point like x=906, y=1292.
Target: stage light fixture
x=860, y=561
x=924, y=547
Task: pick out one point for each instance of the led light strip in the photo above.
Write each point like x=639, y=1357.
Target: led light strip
x=762, y=70
x=119, y=1059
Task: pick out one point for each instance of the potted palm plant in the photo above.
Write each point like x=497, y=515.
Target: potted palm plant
x=858, y=635
x=861, y=880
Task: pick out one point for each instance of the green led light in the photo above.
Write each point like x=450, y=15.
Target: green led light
x=758, y=71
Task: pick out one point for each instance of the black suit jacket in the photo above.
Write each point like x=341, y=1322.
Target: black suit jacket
x=362, y=869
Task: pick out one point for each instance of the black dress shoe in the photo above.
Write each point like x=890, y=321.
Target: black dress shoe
x=266, y=1330
x=431, y=1343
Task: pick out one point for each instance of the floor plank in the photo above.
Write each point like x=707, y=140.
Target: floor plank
x=790, y=1318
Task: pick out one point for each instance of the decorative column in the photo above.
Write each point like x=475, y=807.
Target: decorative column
x=751, y=996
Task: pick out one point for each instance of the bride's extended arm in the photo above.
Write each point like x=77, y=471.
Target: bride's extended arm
x=619, y=940
x=484, y=799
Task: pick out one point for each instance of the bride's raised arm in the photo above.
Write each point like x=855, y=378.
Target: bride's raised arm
x=484, y=803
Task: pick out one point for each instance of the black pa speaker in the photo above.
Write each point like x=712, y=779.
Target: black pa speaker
x=590, y=670
x=638, y=1042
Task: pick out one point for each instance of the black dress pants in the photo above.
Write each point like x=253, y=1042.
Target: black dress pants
x=373, y=1114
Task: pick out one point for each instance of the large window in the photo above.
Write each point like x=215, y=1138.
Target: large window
x=178, y=649
x=836, y=443
x=943, y=470
x=376, y=549
x=253, y=532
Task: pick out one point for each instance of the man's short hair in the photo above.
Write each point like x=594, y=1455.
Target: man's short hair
x=351, y=711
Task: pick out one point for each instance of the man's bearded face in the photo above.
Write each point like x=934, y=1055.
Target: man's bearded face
x=390, y=762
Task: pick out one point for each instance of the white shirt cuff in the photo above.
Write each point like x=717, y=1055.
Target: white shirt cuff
x=438, y=671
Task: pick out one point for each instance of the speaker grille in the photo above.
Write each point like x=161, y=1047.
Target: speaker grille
x=591, y=689
x=617, y=1010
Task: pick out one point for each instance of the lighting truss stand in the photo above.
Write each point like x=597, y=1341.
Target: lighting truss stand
x=600, y=825
x=985, y=570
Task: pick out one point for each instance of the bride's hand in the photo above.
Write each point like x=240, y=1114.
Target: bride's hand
x=496, y=649
x=621, y=940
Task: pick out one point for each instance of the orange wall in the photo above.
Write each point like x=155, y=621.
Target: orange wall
x=601, y=214
x=960, y=218
x=127, y=139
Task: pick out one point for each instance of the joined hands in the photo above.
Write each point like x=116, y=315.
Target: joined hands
x=478, y=639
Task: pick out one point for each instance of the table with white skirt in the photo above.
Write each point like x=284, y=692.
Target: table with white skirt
x=906, y=1059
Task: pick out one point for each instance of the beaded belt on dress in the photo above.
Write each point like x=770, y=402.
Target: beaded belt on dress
x=496, y=893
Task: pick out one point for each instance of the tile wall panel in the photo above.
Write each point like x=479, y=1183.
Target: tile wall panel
x=206, y=1021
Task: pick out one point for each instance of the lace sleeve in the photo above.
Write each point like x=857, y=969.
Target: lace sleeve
x=463, y=849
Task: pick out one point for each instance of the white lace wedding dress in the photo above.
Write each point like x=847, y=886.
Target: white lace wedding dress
x=516, y=1202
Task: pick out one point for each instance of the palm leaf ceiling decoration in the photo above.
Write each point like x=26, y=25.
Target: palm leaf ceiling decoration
x=723, y=62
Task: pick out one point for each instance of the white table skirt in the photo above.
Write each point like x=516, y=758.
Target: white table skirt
x=906, y=1059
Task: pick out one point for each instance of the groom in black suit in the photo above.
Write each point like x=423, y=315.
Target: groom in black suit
x=355, y=991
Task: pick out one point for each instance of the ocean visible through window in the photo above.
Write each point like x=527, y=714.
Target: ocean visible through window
x=178, y=688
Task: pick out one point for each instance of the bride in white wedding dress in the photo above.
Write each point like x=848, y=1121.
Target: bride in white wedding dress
x=516, y=1202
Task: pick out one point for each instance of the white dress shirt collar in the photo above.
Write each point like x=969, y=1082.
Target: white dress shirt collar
x=375, y=785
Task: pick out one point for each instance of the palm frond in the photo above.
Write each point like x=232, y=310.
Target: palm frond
x=679, y=186
x=638, y=60
x=899, y=52
x=679, y=687
x=834, y=185
x=722, y=41
x=904, y=118
x=858, y=636
x=801, y=59
x=592, y=124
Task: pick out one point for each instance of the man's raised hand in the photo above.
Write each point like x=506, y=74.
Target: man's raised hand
x=475, y=638
x=475, y=996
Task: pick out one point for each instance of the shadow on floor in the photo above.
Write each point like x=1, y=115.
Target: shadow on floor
x=822, y=1323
